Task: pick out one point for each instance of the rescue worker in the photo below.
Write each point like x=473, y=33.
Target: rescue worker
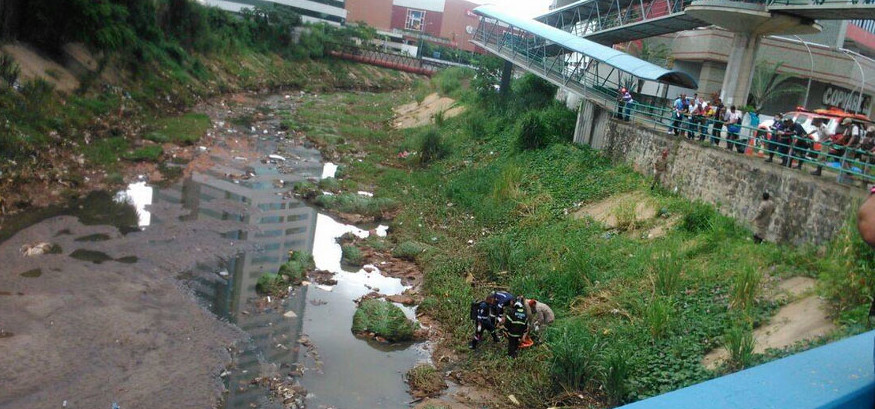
x=497, y=301
x=540, y=315
x=484, y=320
x=516, y=324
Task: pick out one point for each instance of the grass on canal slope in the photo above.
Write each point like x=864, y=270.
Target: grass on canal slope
x=635, y=316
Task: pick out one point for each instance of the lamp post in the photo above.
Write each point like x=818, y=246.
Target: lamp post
x=810, y=71
x=862, y=76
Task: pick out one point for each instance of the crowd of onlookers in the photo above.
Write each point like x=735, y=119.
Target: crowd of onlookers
x=848, y=144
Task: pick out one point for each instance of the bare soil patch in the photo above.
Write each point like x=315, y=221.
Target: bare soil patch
x=800, y=320
x=414, y=114
x=604, y=211
x=33, y=66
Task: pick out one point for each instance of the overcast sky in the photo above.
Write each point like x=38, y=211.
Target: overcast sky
x=522, y=7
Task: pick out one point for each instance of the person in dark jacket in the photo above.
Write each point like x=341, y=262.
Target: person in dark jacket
x=484, y=321
x=498, y=301
x=516, y=323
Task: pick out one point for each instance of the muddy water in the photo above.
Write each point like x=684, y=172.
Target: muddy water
x=105, y=320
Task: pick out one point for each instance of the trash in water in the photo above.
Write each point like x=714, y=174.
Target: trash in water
x=276, y=157
x=290, y=314
x=38, y=249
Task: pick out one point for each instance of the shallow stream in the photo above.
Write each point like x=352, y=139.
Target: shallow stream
x=245, y=205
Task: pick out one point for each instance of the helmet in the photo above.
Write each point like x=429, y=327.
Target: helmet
x=518, y=304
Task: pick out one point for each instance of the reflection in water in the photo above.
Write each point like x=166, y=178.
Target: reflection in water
x=139, y=195
x=347, y=372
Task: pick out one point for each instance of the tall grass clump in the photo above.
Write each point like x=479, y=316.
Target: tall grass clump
x=745, y=287
x=9, y=69
x=626, y=215
x=507, y=185
x=666, y=277
x=616, y=369
x=531, y=133
x=574, y=364
x=432, y=147
x=658, y=316
x=699, y=218
x=847, y=272
x=740, y=342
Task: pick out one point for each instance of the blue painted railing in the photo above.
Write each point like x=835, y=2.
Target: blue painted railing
x=835, y=376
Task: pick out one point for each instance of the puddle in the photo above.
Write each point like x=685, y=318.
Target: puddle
x=310, y=331
x=96, y=257
x=32, y=273
x=90, y=237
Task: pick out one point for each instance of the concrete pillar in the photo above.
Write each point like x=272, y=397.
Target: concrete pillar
x=739, y=69
x=505, y=78
x=583, y=128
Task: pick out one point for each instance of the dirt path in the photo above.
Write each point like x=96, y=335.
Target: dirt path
x=414, y=114
x=803, y=318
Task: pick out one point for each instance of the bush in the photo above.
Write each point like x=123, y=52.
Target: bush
x=9, y=69
x=531, y=133
x=270, y=284
x=432, y=147
x=560, y=122
x=297, y=267
x=351, y=255
x=408, y=250
x=384, y=319
x=425, y=380
x=699, y=219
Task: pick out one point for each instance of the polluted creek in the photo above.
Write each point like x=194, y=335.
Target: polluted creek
x=163, y=304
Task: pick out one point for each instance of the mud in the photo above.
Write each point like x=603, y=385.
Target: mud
x=93, y=334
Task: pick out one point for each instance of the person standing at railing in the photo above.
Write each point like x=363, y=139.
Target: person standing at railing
x=785, y=139
x=823, y=137
x=799, y=145
x=677, y=114
x=753, y=124
x=852, y=139
x=698, y=119
x=733, y=128
x=776, y=128
x=717, y=125
x=628, y=103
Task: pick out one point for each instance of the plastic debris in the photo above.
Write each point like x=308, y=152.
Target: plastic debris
x=276, y=157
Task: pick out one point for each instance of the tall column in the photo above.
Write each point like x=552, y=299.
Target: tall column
x=505, y=78
x=740, y=69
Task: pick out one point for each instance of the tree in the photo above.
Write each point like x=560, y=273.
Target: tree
x=651, y=51
x=768, y=84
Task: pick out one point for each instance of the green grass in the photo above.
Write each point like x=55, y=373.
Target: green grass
x=502, y=216
x=149, y=153
x=351, y=255
x=384, y=319
x=183, y=130
x=106, y=152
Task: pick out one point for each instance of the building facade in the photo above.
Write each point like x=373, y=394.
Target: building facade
x=834, y=67
x=444, y=22
x=311, y=11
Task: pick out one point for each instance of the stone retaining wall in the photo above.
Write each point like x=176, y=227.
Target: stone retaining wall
x=810, y=209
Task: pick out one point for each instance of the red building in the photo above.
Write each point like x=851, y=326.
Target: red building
x=445, y=22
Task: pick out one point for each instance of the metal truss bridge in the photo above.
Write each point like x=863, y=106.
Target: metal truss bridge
x=618, y=21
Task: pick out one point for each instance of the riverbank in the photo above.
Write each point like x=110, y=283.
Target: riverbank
x=644, y=283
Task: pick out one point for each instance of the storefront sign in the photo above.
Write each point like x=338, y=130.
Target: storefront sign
x=846, y=99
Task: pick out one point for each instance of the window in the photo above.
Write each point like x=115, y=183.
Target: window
x=415, y=20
